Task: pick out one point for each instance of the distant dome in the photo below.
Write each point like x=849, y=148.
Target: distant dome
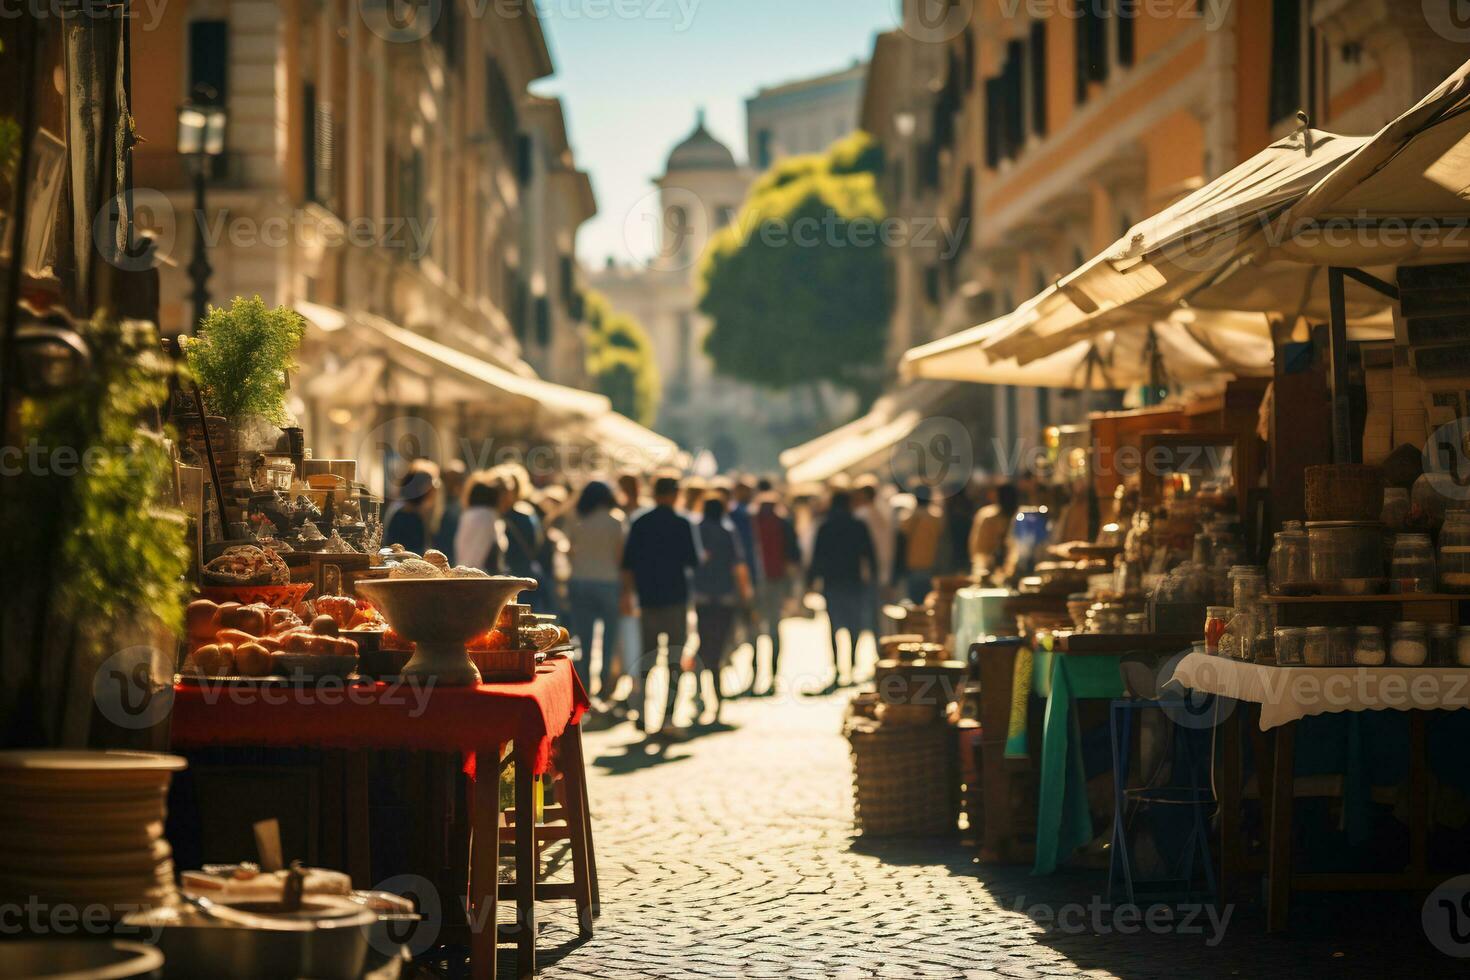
x=701, y=151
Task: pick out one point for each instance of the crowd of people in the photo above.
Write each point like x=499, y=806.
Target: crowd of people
x=639, y=565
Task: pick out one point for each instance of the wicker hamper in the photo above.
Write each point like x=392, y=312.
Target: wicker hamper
x=903, y=778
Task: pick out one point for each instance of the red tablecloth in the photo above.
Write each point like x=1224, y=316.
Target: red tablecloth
x=385, y=715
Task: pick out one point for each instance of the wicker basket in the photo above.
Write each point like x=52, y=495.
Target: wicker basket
x=902, y=779
x=1344, y=492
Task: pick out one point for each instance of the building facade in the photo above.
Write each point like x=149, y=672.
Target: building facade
x=804, y=116
x=377, y=171
x=1038, y=135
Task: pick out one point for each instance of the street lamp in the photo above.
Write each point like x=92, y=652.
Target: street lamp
x=202, y=139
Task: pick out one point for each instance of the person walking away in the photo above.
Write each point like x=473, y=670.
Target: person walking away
x=777, y=556
x=721, y=587
x=594, y=535
x=992, y=527
x=479, y=540
x=524, y=537
x=923, y=536
x=875, y=517
x=549, y=505
x=843, y=563
x=452, y=482
x=658, y=557
x=412, y=522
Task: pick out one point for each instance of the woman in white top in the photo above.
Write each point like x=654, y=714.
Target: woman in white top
x=480, y=540
x=595, y=549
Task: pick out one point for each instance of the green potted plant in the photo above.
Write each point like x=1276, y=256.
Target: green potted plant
x=240, y=358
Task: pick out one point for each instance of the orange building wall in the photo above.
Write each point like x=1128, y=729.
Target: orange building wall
x=1152, y=33
x=1253, y=78
x=1174, y=151
x=158, y=91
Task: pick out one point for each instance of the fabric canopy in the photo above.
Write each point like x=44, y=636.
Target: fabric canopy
x=622, y=443
x=1191, y=347
x=1388, y=203
x=1194, y=252
x=860, y=445
x=554, y=398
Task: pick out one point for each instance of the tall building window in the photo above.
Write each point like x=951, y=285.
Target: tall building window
x=763, y=148
x=676, y=231
x=685, y=340
x=1091, y=48
x=1126, y=16
x=209, y=59
x=1286, y=59
x=1005, y=111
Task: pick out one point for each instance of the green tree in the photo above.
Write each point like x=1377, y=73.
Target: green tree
x=620, y=360
x=797, y=286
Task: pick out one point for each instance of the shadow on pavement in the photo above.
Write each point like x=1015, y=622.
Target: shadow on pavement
x=638, y=756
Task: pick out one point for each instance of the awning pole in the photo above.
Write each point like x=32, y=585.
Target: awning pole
x=1343, y=450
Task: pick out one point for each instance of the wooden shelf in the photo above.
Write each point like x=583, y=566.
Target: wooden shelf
x=1384, y=599
x=1117, y=644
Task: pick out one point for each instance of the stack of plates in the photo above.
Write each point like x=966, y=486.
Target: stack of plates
x=86, y=828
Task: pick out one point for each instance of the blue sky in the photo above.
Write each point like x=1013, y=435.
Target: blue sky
x=632, y=73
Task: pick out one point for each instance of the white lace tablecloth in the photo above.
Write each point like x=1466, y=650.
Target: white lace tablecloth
x=1288, y=694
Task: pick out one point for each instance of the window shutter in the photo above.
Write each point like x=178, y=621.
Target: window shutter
x=1126, y=16
x=209, y=58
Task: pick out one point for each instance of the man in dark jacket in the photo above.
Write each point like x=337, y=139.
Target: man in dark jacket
x=843, y=561
x=657, y=560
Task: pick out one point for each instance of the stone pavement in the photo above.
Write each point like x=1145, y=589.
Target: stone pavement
x=732, y=855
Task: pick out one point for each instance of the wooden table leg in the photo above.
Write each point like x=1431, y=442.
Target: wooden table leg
x=1283, y=787
x=527, y=862
x=484, y=864
x=1418, y=794
x=1229, y=781
x=359, y=843
x=574, y=783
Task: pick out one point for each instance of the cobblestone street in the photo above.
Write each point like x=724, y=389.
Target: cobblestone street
x=732, y=854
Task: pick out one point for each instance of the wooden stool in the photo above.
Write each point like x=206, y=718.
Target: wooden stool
x=567, y=820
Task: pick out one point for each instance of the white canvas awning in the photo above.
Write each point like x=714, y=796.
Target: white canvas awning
x=1403, y=198
x=862, y=444
x=1206, y=251
x=1191, y=347
x=553, y=398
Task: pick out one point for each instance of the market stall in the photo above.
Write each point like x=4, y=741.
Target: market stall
x=1276, y=572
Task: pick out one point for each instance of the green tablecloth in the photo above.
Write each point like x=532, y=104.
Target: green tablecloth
x=1063, y=820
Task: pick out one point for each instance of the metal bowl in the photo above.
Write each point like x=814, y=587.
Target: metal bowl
x=78, y=959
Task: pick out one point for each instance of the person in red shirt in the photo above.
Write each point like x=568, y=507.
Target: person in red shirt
x=778, y=561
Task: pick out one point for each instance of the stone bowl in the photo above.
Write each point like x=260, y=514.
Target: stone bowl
x=440, y=616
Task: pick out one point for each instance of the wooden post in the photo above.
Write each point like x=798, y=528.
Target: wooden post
x=1344, y=449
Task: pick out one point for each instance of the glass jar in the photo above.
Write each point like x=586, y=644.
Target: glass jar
x=1290, y=563
x=1317, y=647
x=1454, y=552
x=1412, y=567
x=1289, y=642
x=1216, y=619
x=1410, y=646
x=1462, y=647
x=1344, y=643
x=1346, y=557
x=1442, y=638
x=1247, y=583
x=1239, y=639
x=1396, y=508
x=1369, y=649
